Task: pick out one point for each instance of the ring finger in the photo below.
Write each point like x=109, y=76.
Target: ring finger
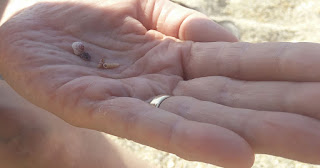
x=276, y=133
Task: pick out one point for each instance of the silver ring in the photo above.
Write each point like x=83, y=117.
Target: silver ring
x=158, y=100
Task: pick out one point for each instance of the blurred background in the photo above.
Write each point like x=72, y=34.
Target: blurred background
x=252, y=21
x=270, y=20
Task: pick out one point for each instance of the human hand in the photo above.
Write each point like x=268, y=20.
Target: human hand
x=113, y=101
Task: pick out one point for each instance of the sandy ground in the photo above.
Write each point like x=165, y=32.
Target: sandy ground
x=258, y=21
x=263, y=21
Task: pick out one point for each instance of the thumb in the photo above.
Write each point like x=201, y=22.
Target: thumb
x=183, y=23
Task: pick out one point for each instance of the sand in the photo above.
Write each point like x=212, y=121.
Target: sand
x=258, y=21
x=266, y=21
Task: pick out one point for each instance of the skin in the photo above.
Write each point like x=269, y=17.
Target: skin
x=32, y=137
x=230, y=100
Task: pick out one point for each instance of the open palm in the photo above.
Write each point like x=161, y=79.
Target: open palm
x=149, y=40
x=144, y=38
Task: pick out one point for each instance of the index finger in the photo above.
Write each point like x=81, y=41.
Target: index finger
x=256, y=62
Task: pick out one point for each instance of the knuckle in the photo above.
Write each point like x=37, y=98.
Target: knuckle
x=27, y=144
x=36, y=144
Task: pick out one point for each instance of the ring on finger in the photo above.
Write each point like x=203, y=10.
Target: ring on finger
x=158, y=100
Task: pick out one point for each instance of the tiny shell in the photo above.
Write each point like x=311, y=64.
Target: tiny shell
x=110, y=65
x=101, y=62
x=85, y=56
x=78, y=48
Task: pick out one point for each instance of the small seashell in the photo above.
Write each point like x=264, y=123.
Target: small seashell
x=101, y=62
x=85, y=56
x=78, y=48
x=110, y=65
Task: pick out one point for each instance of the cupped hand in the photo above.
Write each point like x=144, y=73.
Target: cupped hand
x=144, y=38
x=213, y=119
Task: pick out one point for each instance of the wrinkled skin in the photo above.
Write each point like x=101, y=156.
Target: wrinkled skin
x=211, y=118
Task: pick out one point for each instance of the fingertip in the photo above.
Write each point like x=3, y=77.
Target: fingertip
x=200, y=28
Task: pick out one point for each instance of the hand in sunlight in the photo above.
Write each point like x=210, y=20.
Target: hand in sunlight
x=154, y=44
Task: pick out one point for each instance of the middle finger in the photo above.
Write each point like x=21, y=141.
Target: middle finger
x=294, y=97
